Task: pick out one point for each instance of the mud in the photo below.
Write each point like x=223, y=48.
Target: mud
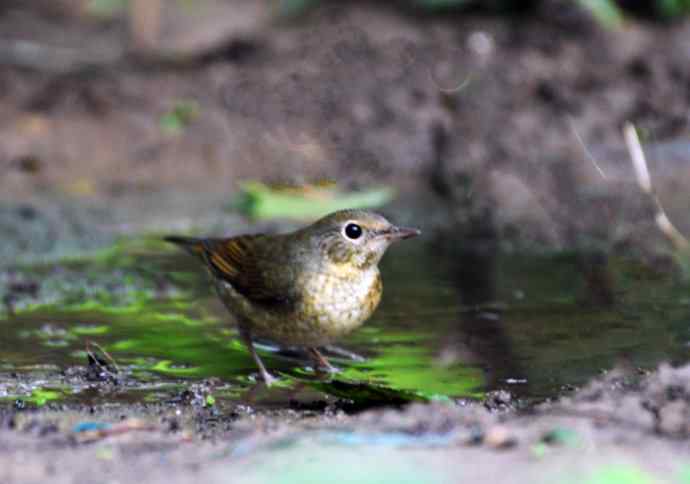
x=623, y=425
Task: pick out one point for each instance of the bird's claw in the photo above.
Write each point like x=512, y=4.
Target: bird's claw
x=268, y=379
x=328, y=370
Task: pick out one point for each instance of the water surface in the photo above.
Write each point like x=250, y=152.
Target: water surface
x=448, y=326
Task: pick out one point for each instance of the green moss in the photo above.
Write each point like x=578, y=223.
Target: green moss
x=548, y=335
x=606, y=12
x=621, y=474
x=38, y=396
x=90, y=330
x=42, y=396
x=260, y=201
x=411, y=367
x=169, y=368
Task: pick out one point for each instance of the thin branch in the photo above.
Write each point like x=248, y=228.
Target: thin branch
x=110, y=359
x=453, y=89
x=585, y=149
x=632, y=141
x=644, y=180
x=145, y=24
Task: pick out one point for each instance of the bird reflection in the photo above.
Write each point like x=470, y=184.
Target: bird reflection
x=480, y=337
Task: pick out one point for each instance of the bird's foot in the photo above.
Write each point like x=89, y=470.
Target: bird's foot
x=343, y=353
x=323, y=366
x=327, y=370
x=268, y=378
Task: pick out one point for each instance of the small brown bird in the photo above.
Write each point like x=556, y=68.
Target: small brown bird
x=305, y=288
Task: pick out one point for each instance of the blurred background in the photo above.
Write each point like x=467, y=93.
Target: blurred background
x=156, y=112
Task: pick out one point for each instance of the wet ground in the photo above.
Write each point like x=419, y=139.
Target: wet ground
x=151, y=308
x=120, y=361
x=620, y=429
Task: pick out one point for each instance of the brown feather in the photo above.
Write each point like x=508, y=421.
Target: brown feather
x=246, y=263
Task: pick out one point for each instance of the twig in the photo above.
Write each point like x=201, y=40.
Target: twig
x=145, y=24
x=585, y=149
x=110, y=359
x=632, y=141
x=644, y=180
x=450, y=90
x=343, y=353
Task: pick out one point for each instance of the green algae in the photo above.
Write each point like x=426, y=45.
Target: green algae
x=90, y=330
x=406, y=362
x=169, y=368
x=38, y=397
x=537, y=329
x=260, y=201
x=621, y=474
x=41, y=396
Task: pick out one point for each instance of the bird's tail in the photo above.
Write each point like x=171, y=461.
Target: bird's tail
x=192, y=245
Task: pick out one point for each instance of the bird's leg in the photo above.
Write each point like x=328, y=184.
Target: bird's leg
x=322, y=363
x=343, y=353
x=246, y=336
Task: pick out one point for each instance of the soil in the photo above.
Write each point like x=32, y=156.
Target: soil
x=619, y=427
x=352, y=91
x=494, y=114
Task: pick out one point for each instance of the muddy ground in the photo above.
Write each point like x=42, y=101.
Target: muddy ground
x=481, y=111
x=621, y=428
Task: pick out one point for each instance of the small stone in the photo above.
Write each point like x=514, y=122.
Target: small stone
x=560, y=436
x=475, y=436
x=498, y=400
x=499, y=437
x=481, y=44
x=674, y=418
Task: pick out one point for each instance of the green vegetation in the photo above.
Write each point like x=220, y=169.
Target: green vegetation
x=162, y=337
x=406, y=362
x=621, y=474
x=672, y=8
x=605, y=11
x=261, y=201
x=106, y=8
x=182, y=114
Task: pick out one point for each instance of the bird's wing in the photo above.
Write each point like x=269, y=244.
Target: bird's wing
x=253, y=266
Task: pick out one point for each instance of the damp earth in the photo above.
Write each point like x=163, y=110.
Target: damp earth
x=114, y=360
x=139, y=323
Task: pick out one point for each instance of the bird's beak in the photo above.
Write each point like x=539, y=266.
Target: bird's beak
x=399, y=233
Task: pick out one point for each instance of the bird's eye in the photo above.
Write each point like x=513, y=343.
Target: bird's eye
x=353, y=231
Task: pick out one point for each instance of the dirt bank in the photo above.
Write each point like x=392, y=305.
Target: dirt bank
x=623, y=427
x=350, y=91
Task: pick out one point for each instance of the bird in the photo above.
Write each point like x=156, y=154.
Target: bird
x=305, y=288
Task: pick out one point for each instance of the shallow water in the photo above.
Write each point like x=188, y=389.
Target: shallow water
x=449, y=326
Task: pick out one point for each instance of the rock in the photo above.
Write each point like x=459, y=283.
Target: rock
x=674, y=418
x=499, y=437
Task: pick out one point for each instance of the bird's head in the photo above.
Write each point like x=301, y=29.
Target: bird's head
x=355, y=239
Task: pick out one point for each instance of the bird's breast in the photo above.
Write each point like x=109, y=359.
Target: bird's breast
x=337, y=305
x=327, y=308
